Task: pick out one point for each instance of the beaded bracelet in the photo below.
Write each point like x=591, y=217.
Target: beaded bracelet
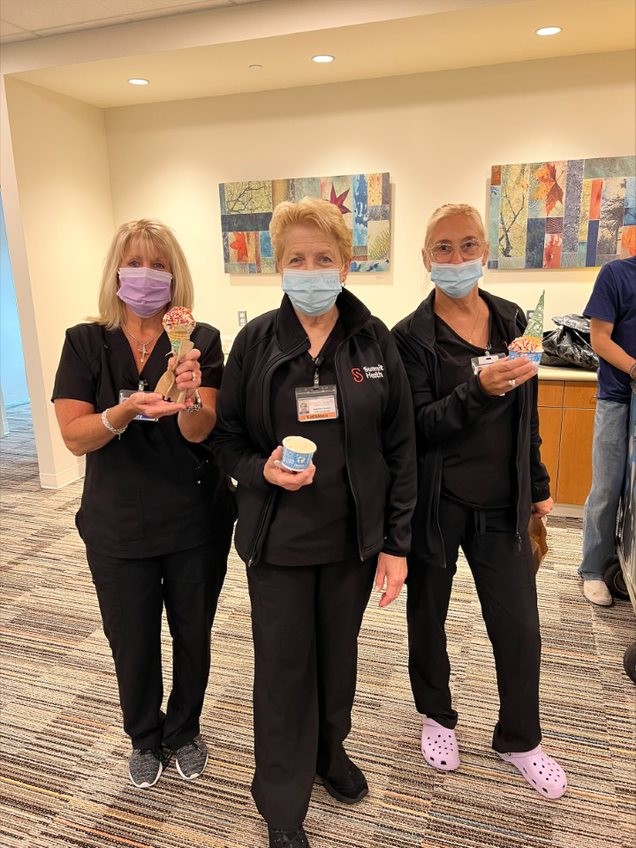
x=116, y=431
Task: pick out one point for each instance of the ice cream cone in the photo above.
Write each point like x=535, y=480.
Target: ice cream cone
x=178, y=323
x=530, y=344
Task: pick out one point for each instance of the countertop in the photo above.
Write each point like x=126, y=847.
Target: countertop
x=550, y=372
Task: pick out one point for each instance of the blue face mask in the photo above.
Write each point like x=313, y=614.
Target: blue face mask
x=312, y=292
x=457, y=280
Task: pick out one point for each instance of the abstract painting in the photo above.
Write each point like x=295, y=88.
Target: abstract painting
x=246, y=210
x=570, y=214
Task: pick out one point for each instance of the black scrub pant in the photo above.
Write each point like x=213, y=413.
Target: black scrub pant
x=131, y=594
x=305, y=623
x=503, y=571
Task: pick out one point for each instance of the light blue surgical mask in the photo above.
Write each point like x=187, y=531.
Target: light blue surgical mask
x=312, y=292
x=457, y=279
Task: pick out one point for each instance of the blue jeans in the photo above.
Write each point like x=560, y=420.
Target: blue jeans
x=609, y=462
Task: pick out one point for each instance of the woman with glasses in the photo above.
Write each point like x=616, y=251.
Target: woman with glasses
x=480, y=476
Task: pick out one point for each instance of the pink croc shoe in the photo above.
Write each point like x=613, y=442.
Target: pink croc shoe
x=542, y=772
x=439, y=746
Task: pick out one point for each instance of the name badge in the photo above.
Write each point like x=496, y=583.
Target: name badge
x=479, y=362
x=126, y=393
x=317, y=403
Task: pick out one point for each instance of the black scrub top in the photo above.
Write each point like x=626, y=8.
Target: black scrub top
x=150, y=491
x=316, y=524
x=478, y=462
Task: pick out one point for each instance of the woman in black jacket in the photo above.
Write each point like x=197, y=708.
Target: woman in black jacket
x=321, y=367
x=479, y=478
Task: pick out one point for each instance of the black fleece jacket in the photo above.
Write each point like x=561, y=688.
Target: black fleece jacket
x=438, y=418
x=377, y=417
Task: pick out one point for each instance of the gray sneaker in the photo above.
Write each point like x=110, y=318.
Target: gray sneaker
x=145, y=766
x=191, y=758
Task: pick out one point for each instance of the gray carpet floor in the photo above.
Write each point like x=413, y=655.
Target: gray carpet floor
x=63, y=755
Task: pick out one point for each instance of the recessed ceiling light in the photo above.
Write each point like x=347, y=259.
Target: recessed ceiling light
x=549, y=30
x=138, y=81
x=322, y=58
x=255, y=67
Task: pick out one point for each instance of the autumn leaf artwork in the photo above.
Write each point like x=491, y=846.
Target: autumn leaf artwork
x=246, y=210
x=562, y=214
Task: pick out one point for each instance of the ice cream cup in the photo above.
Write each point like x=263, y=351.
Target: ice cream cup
x=533, y=356
x=297, y=453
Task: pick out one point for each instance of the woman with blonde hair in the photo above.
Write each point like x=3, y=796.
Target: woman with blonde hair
x=155, y=515
x=480, y=476
x=314, y=541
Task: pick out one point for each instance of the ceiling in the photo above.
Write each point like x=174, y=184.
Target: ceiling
x=24, y=19
x=209, y=52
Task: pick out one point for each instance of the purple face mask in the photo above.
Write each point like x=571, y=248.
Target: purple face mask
x=145, y=290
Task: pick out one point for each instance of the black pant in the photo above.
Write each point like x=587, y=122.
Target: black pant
x=305, y=622
x=504, y=577
x=131, y=594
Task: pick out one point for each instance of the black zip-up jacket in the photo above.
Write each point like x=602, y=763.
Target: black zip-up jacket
x=377, y=418
x=438, y=418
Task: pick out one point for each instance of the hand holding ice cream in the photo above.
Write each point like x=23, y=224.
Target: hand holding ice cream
x=179, y=324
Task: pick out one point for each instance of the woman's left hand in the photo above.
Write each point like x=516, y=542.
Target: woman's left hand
x=389, y=577
x=542, y=508
x=188, y=373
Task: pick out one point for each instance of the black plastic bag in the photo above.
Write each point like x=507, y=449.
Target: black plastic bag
x=569, y=345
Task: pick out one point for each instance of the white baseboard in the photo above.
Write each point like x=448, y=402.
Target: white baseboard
x=62, y=478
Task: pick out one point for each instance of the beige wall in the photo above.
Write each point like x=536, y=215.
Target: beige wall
x=437, y=134
x=59, y=222
x=79, y=172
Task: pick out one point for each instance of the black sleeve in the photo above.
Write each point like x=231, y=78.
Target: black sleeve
x=438, y=420
x=78, y=371
x=398, y=447
x=232, y=446
x=539, y=477
x=207, y=339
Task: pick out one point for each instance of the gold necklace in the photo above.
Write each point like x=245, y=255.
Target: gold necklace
x=469, y=336
x=144, y=348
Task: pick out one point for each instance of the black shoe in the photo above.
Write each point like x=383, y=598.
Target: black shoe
x=352, y=789
x=287, y=838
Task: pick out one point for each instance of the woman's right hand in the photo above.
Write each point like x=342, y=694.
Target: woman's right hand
x=506, y=374
x=152, y=405
x=289, y=480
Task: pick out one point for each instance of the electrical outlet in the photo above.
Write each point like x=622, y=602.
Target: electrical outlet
x=242, y=317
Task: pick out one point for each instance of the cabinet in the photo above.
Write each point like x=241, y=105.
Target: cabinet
x=566, y=424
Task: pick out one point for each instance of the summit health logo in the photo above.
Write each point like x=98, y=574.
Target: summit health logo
x=368, y=372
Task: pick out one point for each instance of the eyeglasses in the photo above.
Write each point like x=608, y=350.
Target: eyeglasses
x=443, y=251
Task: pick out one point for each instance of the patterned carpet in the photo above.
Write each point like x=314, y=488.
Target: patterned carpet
x=63, y=772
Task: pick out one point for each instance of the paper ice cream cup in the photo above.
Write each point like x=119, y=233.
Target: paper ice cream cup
x=297, y=453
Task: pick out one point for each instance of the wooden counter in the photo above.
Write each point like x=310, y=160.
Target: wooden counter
x=567, y=400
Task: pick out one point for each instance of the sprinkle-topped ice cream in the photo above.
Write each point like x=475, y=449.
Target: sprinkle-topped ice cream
x=526, y=344
x=530, y=344
x=178, y=324
x=179, y=320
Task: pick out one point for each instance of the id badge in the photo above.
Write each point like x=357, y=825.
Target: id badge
x=479, y=362
x=126, y=393
x=317, y=403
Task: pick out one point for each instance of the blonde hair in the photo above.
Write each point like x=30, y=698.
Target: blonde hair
x=153, y=234
x=449, y=210
x=312, y=212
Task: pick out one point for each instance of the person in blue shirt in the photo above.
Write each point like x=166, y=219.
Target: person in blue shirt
x=612, y=313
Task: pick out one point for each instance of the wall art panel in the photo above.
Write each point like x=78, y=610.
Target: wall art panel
x=246, y=210
x=569, y=214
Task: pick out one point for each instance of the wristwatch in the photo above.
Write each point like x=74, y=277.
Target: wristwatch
x=197, y=406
